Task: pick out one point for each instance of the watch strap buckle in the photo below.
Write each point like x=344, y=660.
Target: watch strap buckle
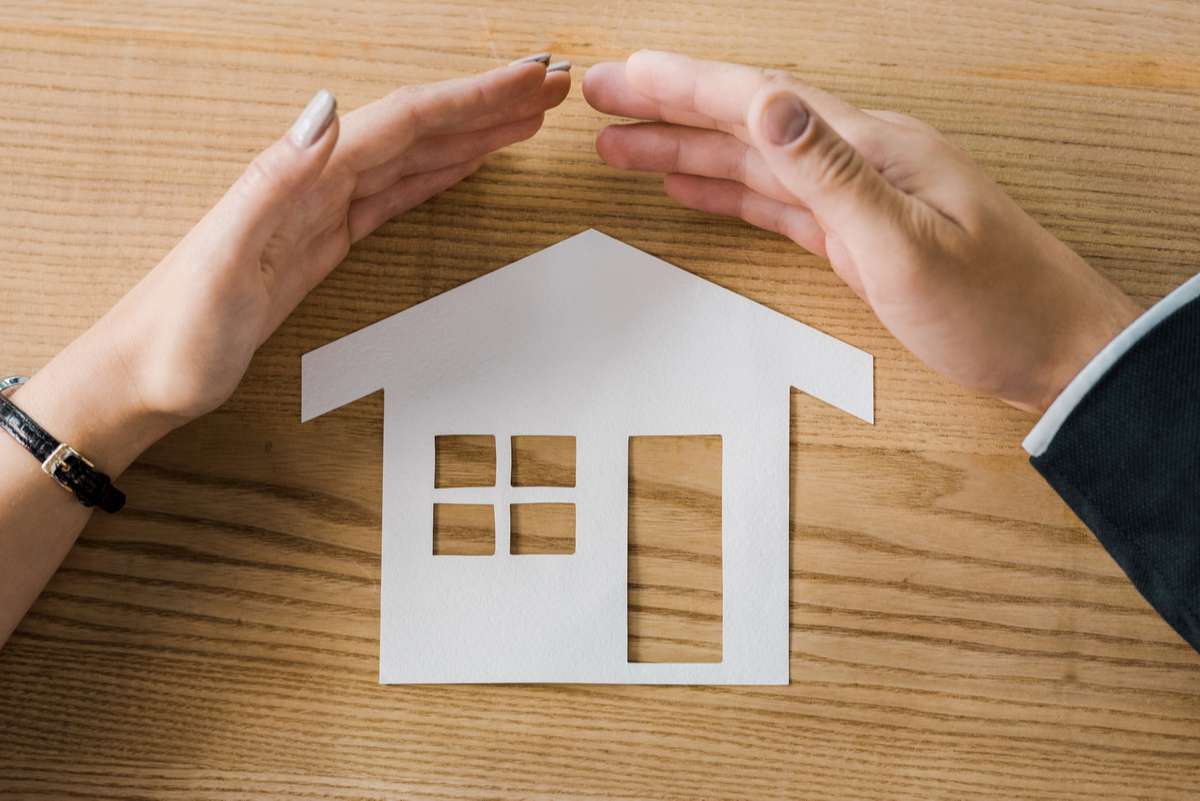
x=59, y=463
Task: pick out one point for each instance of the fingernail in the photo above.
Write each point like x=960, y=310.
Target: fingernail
x=784, y=119
x=559, y=66
x=315, y=118
x=542, y=57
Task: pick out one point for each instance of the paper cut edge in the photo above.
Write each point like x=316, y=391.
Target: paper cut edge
x=312, y=405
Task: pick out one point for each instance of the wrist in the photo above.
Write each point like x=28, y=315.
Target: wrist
x=85, y=397
x=1101, y=314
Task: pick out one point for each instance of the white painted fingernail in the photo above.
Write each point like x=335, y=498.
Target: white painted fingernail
x=559, y=66
x=315, y=118
x=542, y=57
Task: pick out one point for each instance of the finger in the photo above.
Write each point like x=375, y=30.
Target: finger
x=368, y=213
x=734, y=199
x=606, y=89
x=724, y=91
x=825, y=171
x=251, y=210
x=381, y=130
x=442, y=151
x=658, y=147
x=552, y=93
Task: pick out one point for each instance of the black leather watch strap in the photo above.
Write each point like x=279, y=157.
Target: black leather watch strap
x=60, y=461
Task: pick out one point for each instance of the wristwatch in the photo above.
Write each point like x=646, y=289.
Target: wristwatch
x=70, y=469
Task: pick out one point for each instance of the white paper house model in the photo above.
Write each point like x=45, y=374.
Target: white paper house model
x=599, y=341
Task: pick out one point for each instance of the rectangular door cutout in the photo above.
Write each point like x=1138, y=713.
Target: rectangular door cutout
x=547, y=528
x=675, y=549
x=543, y=461
x=464, y=529
x=464, y=460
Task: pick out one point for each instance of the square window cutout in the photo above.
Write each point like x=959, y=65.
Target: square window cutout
x=464, y=460
x=464, y=529
x=542, y=528
x=543, y=461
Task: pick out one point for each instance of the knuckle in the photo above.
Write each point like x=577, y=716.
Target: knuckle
x=261, y=176
x=775, y=75
x=392, y=205
x=404, y=94
x=741, y=166
x=611, y=148
x=873, y=143
x=919, y=125
x=927, y=149
x=930, y=131
x=837, y=164
x=743, y=201
x=405, y=102
x=935, y=149
x=908, y=123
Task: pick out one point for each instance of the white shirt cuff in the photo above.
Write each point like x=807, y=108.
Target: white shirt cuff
x=1043, y=433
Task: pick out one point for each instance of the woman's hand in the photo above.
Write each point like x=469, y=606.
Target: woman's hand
x=290, y=219
x=178, y=344
x=956, y=271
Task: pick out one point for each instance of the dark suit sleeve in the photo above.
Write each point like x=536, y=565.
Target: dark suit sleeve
x=1127, y=461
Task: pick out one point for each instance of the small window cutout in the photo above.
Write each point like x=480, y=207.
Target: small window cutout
x=464, y=461
x=543, y=461
x=542, y=528
x=463, y=529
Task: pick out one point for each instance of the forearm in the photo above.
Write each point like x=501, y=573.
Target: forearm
x=84, y=398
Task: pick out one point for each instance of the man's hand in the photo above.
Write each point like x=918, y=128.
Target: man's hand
x=956, y=271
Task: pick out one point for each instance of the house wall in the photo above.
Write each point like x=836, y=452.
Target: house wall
x=477, y=618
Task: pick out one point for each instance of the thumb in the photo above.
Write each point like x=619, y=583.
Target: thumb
x=818, y=166
x=253, y=207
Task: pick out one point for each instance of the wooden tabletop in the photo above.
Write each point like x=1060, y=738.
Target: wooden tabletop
x=955, y=631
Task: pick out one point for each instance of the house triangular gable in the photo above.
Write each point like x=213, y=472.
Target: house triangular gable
x=609, y=272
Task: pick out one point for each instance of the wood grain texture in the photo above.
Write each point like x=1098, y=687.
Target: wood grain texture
x=955, y=631
x=464, y=529
x=541, y=461
x=464, y=460
x=674, y=568
x=542, y=528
